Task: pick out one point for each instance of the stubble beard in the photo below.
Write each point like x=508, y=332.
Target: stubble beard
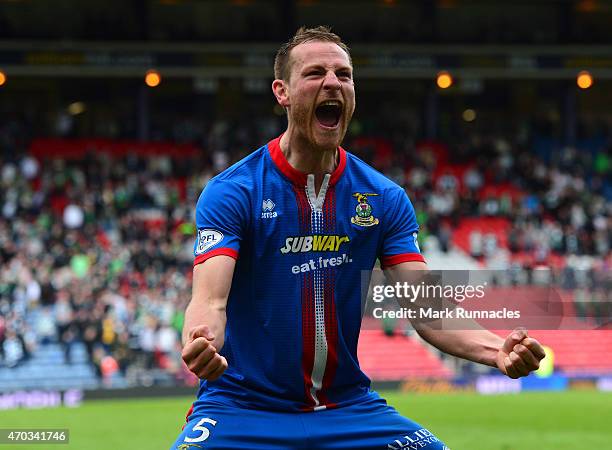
x=307, y=130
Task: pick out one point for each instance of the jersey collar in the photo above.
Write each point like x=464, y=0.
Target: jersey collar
x=297, y=177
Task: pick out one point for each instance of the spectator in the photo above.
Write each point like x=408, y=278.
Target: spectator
x=99, y=250
x=13, y=349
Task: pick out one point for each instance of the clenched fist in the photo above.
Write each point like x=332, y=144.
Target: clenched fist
x=520, y=354
x=201, y=356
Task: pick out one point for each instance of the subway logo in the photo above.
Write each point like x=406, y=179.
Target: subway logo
x=314, y=243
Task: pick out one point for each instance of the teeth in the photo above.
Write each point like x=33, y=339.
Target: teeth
x=331, y=103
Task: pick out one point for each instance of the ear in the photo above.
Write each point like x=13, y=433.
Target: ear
x=279, y=87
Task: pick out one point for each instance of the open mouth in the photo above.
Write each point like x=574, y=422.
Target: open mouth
x=328, y=113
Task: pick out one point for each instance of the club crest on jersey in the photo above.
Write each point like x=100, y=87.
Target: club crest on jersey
x=364, y=217
x=187, y=446
x=207, y=238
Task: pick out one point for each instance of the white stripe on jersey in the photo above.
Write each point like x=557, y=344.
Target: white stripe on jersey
x=320, y=350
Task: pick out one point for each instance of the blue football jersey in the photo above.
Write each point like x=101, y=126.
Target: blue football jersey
x=295, y=306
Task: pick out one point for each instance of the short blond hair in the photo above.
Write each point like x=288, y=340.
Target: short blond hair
x=282, y=61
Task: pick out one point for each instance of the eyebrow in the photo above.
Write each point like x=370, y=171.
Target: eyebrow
x=320, y=66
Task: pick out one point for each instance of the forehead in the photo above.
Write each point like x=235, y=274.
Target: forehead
x=318, y=53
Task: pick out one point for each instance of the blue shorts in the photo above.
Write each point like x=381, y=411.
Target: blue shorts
x=372, y=425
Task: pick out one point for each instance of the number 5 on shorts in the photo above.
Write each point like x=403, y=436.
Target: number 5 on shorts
x=205, y=431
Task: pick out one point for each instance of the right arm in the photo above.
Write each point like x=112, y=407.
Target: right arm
x=221, y=212
x=205, y=317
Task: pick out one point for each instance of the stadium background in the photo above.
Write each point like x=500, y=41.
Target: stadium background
x=508, y=169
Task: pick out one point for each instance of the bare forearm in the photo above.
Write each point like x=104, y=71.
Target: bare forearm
x=461, y=338
x=211, y=286
x=480, y=346
x=206, y=313
x=515, y=356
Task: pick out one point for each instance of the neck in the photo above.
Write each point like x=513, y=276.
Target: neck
x=308, y=159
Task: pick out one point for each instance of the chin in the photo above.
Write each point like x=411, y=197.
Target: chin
x=328, y=140
x=327, y=144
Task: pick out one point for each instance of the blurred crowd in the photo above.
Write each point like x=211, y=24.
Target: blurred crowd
x=563, y=206
x=99, y=250
x=513, y=209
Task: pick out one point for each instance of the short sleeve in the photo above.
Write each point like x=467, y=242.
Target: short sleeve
x=221, y=214
x=401, y=230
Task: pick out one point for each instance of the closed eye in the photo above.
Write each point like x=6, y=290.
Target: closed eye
x=313, y=72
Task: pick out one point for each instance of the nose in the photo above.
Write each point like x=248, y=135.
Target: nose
x=331, y=81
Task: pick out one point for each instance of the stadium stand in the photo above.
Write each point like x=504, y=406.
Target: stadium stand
x=96, y=244
x=46, y=369
x=398, y=357
x=579, y=353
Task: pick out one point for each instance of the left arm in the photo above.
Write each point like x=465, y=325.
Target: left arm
x=515, y=356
